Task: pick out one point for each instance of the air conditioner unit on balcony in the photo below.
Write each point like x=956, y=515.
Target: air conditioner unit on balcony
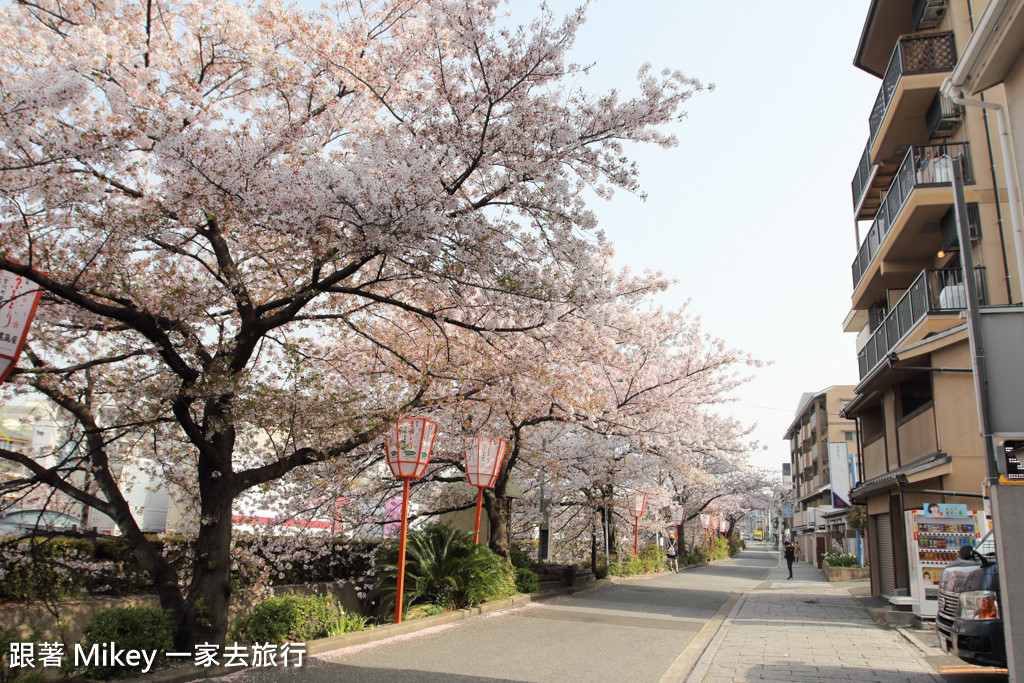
x=943, y=117
x=928, y=13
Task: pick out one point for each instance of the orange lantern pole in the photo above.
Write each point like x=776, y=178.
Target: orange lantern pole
x=414, y=440
x=637, y=502
x=483, y=462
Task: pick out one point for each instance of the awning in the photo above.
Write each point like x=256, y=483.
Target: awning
x=889, y=479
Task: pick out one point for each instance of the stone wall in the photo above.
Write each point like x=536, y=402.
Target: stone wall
x=65, y=620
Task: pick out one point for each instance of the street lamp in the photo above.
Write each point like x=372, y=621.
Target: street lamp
x=637, y=502
x=414, y=439
x=483, y=461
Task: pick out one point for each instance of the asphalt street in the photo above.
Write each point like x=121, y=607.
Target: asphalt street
x=636, y=630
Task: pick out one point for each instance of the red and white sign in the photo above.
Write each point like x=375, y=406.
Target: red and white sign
x=723, y=526
x=18, y=300
x=677, y=516
x=705, y=521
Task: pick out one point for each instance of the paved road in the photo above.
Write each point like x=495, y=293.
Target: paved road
x=740, y=620
x=636, y=630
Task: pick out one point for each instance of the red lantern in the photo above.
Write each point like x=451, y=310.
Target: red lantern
x=637, y=503
x=408, y=458
x=483, y=462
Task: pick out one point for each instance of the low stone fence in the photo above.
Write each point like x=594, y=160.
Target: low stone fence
x=64, y=621
x=846, y=573
x=553, y=577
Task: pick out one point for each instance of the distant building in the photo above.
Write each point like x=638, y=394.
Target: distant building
x=823, y=449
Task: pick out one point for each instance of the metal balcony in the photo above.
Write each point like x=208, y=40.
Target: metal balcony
x=862, y=178
x=924, y=54
x=924, y=165
x=934, y=291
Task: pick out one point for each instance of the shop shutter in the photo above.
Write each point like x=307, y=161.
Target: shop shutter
x=886, y=562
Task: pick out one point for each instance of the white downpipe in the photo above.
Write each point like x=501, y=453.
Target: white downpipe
x=1009, y=169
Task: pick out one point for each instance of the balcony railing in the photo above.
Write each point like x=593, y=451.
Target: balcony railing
x=934, y=291
x=924, y=165
x=932, y=53
x=862, y=178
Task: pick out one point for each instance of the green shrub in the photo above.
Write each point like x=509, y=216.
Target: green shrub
x=835, y=559
x=527, y=580
x=19, y=675
x=443, y=566
x=522, y=554
x=630, y=565
x=293, y=618
x=132, y=628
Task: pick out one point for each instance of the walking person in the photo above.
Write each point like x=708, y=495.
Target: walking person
x=672, y=554
x=790, y=555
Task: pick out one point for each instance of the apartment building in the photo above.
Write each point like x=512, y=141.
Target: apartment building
x=822, y=447
x=915, y=403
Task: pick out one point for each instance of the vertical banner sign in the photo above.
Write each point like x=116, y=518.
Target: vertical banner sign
x=18, y=300
x=839, y=472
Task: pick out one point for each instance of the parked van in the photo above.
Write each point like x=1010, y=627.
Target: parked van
x=969, y=622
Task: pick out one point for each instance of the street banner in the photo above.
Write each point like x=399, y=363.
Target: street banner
x=841, y=472
x=18, y=300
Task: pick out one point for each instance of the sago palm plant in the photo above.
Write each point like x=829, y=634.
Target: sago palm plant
x=443, y=567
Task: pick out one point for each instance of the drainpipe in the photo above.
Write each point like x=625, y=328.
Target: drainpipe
x=1009, y=169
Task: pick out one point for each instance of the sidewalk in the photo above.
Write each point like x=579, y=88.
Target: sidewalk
x=806, y=629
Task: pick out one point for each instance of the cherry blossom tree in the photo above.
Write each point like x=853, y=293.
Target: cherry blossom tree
x=263, y=234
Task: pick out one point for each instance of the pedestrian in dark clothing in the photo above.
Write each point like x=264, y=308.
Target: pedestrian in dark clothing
x=790, y=554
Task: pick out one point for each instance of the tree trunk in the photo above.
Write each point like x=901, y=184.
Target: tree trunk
x=496, y=504
x=204, y=618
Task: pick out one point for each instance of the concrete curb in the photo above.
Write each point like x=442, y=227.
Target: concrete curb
x=700, y=669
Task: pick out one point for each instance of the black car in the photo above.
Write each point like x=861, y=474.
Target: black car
x=969, y=621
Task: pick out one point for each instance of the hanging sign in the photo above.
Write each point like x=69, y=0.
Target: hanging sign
x=18, y=300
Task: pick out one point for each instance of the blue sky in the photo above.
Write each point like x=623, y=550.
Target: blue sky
x=752, y=211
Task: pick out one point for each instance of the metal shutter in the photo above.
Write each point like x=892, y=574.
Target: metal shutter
x=886, y=562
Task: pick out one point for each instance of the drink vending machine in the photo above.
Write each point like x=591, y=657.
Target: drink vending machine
x=934, y=537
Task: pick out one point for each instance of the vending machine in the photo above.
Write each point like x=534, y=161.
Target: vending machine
x=934, y=537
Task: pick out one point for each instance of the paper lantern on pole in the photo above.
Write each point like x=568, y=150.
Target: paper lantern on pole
x=408, y=457
x=18, y=300
x=483, y=462
x=678, y=517
x=410, y=453
x=637, y=502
